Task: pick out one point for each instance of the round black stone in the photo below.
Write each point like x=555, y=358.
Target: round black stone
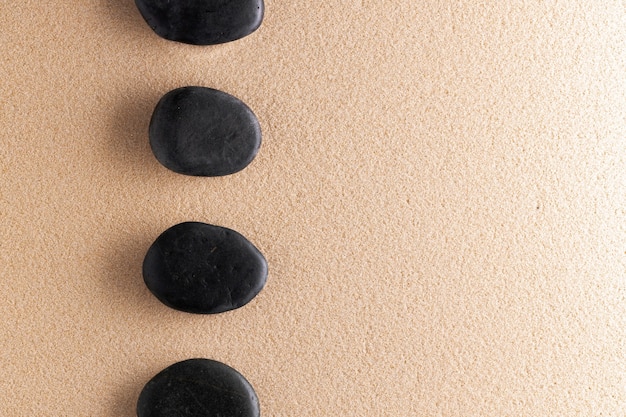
x=202, y=22
x=204, y=269
x=203, y=132
x=198, y=387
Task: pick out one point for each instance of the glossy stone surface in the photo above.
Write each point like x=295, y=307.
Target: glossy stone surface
x=202, y=22
x=205, y=269
x=203, y=132
x=198, y=387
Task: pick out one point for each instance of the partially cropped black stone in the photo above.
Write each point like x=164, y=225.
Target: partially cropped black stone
x=204, y=269
x=202, y=22
x=203, y=132
x=198, y=387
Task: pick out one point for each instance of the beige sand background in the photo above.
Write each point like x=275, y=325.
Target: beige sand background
x=441, y=196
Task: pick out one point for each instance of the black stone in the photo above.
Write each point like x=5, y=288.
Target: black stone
x=203, y=132
x=204, y=269
x=198, y=387
x=202, y=22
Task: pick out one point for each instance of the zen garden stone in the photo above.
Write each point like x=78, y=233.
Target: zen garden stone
x=198, y=387
x=205, y=269
x=202, y=22
x=203, y=132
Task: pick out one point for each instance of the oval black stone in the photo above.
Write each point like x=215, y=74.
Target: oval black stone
x=198, y=387
x=204, y=269
x=203, y=132
x=202, y=22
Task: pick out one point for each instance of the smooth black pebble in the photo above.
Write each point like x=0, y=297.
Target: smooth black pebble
x=198, y=387
x=203, y=132
x=204, y=269
x=202, y=22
